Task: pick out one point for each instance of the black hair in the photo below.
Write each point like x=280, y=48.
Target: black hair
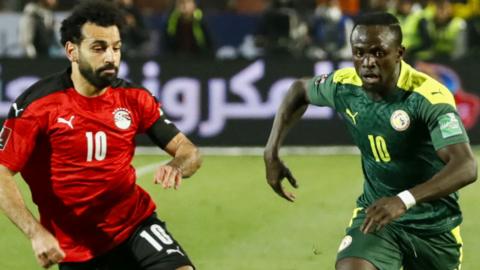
x=382, y=19
x=98, y=12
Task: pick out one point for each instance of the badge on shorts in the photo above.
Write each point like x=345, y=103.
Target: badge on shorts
x=4, y=135
x=449, y=125
x=346, y=241
x=400, y=120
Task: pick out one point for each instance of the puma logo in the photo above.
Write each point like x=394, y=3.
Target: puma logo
x=17, y=110
x=353, y=116
x=68, y=123
x=177, y=250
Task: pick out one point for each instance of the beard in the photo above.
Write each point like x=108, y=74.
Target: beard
x=96, y=77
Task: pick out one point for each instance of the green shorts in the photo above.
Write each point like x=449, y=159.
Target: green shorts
x=392, y=247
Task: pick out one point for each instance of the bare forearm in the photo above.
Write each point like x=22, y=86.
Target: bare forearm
x=291, y=110
x=45, y=247
x=187, y=159
x=12, y=204
x=455, y=175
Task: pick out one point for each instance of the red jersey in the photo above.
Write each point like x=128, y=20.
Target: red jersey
x=75, y=153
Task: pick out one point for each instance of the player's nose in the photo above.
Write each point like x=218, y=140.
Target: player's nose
x=109, y=55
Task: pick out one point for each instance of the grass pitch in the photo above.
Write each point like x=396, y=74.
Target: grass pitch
x=227, y=217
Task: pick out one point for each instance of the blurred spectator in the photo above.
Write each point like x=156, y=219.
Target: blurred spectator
x=414, y=26
x=423, y=3
x=378, y=5
x=37, y=28
x=447, y=34
x=281, y=30
x=186, y=31
x=135, y=34
x=330, y=31
x=248, y=6
x=474, y=35
x=349, y=7
x=470, y=11
x=12, y=5
x=467, y=8
x=156, y=6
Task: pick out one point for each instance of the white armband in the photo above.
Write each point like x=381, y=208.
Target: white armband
x=407, y=198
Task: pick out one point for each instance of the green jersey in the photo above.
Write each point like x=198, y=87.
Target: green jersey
x=398, y=138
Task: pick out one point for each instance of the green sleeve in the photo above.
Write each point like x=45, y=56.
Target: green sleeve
x=321, y=90
x=444, y=124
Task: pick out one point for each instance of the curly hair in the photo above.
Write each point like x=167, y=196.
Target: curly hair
x=101, y=13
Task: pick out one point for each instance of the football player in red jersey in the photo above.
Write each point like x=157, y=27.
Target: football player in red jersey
x=71, y=136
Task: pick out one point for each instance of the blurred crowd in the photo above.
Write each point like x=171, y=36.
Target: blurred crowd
x=230, y=29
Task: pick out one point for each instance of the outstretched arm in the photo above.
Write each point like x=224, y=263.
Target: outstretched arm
x=291, y=110
x=45, y=246
x=186, y=161
x=460, y=170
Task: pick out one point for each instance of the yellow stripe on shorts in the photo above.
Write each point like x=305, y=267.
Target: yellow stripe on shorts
x=355, y=214
x=458, y=238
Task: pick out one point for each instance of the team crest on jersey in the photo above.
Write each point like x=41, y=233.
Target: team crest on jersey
x=4, y=135
x=122, y=118
x=346, y=242
x=400, y=120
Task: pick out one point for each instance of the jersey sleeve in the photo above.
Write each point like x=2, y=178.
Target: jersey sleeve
x=321, y=90
x=154, y=122
x=444, y=124
x=17, y=140
x=150, y=110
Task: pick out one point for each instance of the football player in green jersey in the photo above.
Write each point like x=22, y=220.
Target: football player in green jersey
x=414, y=149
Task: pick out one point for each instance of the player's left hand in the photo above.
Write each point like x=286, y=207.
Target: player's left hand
x=168, y=176
x=382, y=212
x=277, y=171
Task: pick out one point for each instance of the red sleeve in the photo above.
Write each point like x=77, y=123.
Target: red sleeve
x=150, y=110
x=17, y=140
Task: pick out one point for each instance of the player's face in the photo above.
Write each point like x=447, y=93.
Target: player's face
x=99, y=54
x=376, y=56
x=186, y=7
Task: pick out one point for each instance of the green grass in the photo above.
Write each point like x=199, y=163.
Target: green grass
x=227, y=217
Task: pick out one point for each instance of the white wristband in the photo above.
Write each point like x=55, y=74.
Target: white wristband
x=407, y=198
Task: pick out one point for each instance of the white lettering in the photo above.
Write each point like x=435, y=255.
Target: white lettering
x=181, y=99
x=151, y=72
x=228, y=98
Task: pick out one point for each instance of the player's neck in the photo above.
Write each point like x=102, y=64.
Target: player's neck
x=83, y=86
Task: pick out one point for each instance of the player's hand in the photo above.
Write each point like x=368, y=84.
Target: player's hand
x=168, y=176
x=276, y=172
x=382, y=212
x=46, y=248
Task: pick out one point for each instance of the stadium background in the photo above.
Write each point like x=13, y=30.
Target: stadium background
x=232, y=103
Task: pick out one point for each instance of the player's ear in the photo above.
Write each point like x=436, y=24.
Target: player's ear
x=401, y=52
x=71, y=50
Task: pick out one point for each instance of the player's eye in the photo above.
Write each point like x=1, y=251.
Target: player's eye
x=97, y=49
x=379, y=53
x=358, y=53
